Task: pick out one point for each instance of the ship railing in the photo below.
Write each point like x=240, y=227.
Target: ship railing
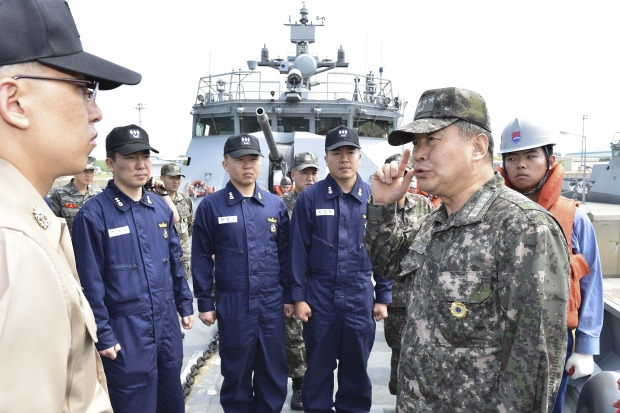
x=250, y=85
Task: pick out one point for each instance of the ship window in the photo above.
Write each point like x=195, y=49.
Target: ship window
x=301, y=124
x=325, y=124
x=215, y=126
x=249, y=124
x=369, y=127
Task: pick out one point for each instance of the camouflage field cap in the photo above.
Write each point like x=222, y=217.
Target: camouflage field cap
x=305, y=160
x=171, y=169
x=90, y=165
x=438, y=108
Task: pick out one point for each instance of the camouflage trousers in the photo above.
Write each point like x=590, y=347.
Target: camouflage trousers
x=393, y=328
x=295, y=348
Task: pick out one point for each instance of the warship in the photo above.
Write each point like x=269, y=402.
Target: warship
x=289, y=107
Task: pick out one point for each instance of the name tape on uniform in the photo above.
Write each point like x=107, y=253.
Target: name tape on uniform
x=320, y=212
x=227, y=220
x=114, y=232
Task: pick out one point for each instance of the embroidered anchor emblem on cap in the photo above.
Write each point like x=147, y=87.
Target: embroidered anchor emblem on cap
x=245, y=140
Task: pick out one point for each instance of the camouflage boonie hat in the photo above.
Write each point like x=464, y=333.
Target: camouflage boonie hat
x=305, y=160
x=171, y=169
x=90, y=164
x=438, y=108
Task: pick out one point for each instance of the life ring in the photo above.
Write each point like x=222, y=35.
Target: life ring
x=198, y=188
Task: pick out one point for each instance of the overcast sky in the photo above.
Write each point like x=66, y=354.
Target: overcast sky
x=547, y=61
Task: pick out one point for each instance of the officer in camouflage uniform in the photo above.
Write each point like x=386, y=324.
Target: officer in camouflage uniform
x=171, y=175
x=305, y=172
x=408, y=209
x=486, y=273
x=67, y=200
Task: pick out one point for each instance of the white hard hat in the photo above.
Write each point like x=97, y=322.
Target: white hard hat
x=520, y=134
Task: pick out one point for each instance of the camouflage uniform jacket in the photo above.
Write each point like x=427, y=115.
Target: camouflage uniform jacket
x=66, y=201
x=487, y=286
x=415, y=207
x=289, y=199
x=185, y=225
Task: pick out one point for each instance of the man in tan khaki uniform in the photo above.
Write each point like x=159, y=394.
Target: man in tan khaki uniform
x=48, y=86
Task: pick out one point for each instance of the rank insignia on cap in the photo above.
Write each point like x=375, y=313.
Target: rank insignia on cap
x=165, y=233
x=273, y=228
x=42, y=219
x=458, y=309
x=231, y=195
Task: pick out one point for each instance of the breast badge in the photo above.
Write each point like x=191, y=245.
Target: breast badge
x=458, y=309
x=273, y=228
x=165, y=233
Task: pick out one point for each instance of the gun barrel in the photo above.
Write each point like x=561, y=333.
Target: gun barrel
x=263, y=120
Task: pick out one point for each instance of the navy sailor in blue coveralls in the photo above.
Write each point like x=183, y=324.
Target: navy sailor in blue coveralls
x=246, y=229
x=127, y=255
x=332, y=281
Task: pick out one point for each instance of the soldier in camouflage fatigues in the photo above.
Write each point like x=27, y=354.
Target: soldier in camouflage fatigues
x=408, y=209
x=67, y=200
x=171, y=175
x=304, y=172
x=485, y=273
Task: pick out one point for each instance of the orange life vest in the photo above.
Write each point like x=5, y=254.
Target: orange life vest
x=563, y=210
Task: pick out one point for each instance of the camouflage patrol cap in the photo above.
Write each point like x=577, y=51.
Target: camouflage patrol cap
x=171, y=169
x=90, y=165
x=438, y=108
x=305, y=160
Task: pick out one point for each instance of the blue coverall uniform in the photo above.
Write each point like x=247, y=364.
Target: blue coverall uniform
x=127, y=255
x=588, y=330
x=249, y=237
x=331, y=271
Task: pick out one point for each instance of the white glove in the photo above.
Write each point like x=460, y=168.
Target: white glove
x=580, y=364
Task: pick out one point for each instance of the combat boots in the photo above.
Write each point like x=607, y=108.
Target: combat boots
x=296, y=403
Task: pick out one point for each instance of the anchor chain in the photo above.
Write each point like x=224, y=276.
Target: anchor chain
x=200, y=362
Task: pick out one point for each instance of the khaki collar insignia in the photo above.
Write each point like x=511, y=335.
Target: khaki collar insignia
x=42, y=219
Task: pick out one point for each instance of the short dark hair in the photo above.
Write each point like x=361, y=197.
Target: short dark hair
x=468, y=130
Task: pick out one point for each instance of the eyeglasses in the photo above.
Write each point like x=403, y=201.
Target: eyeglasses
x=90, y=86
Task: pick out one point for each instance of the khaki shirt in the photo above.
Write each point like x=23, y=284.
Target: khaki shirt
x=47, y=329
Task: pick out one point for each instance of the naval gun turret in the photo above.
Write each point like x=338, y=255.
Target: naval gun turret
x=276, y=160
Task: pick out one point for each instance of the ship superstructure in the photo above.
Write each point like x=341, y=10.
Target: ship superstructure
x=308, y=97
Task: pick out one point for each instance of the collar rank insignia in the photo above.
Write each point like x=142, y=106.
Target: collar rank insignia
x=330, y=190
x=42, y=219
x=359, y=191
x=148, y=199
x=260, y=196
x=118, y=201
x=458, y=309
x=231, y=195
